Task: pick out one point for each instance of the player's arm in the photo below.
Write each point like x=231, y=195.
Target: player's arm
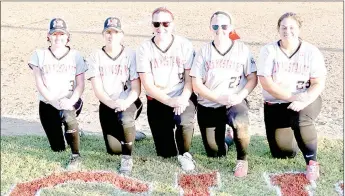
x=252, y=81
x=203, y=91
x=198, y=73
x=317, y=85
x=153, y=91
x=250, y=71
x=79, y=88
x=81, y=68
x=145, y=73
x=318, y=74
x=135, y=91
x=264, y=72
x=93, y=74
x=41, y=87
x=188, y=51
x=188, y=89
x=97, y=86
x=135, y=81
x=273, y=89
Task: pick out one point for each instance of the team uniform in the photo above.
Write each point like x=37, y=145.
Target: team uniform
x=59, y=76
x=293, y=74
x=116, y=75
x=223, y=74
x=168, y=69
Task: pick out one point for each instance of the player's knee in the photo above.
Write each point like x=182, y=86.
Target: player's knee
x=188, y=118
x=114, y=145
x=242, y=129
x=305, y=121
x=309, y=135
x=241, y=121
x=188, y=129
x=69, y=115
x=285, y=140
x=72, y=125
x=127, y=121
x=213, y=147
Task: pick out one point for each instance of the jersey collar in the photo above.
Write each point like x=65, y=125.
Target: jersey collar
x=227, y=51
x=289, y=57
x=117, y=56
x=69, y=49
x=166, y=50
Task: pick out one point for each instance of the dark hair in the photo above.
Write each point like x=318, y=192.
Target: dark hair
x=223, y=13
x=162, y=9
x=290, y=15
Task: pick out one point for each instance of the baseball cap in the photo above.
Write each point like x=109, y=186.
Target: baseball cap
x=57, y=25
x=112, y=23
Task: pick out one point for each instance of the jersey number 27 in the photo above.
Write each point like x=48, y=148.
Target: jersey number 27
x=235, y=81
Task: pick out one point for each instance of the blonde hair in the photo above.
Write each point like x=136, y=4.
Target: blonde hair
x=290, y=15
x=163, y=9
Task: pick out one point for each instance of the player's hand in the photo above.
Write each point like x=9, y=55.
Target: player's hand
x=178, y=101
x=179, y=110
x=223, y=99
x=67, y=104
x=297, y=105
x=234, y=99
x=303, y=97
x=121, y=105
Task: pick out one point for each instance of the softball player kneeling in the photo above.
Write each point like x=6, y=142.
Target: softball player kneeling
x=292, y=73
x=59, y=75
x=112, y=71
x=163, y=63
x=224, y=73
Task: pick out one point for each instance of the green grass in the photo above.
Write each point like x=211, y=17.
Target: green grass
x=24, y=158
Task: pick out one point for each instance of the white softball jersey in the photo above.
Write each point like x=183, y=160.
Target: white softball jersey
x=223, y=73
x=116, y=73
x=292, y=73
x=167, y=67
x=58, y=74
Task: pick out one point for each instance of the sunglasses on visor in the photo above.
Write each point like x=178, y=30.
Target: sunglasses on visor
x=157, y=24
